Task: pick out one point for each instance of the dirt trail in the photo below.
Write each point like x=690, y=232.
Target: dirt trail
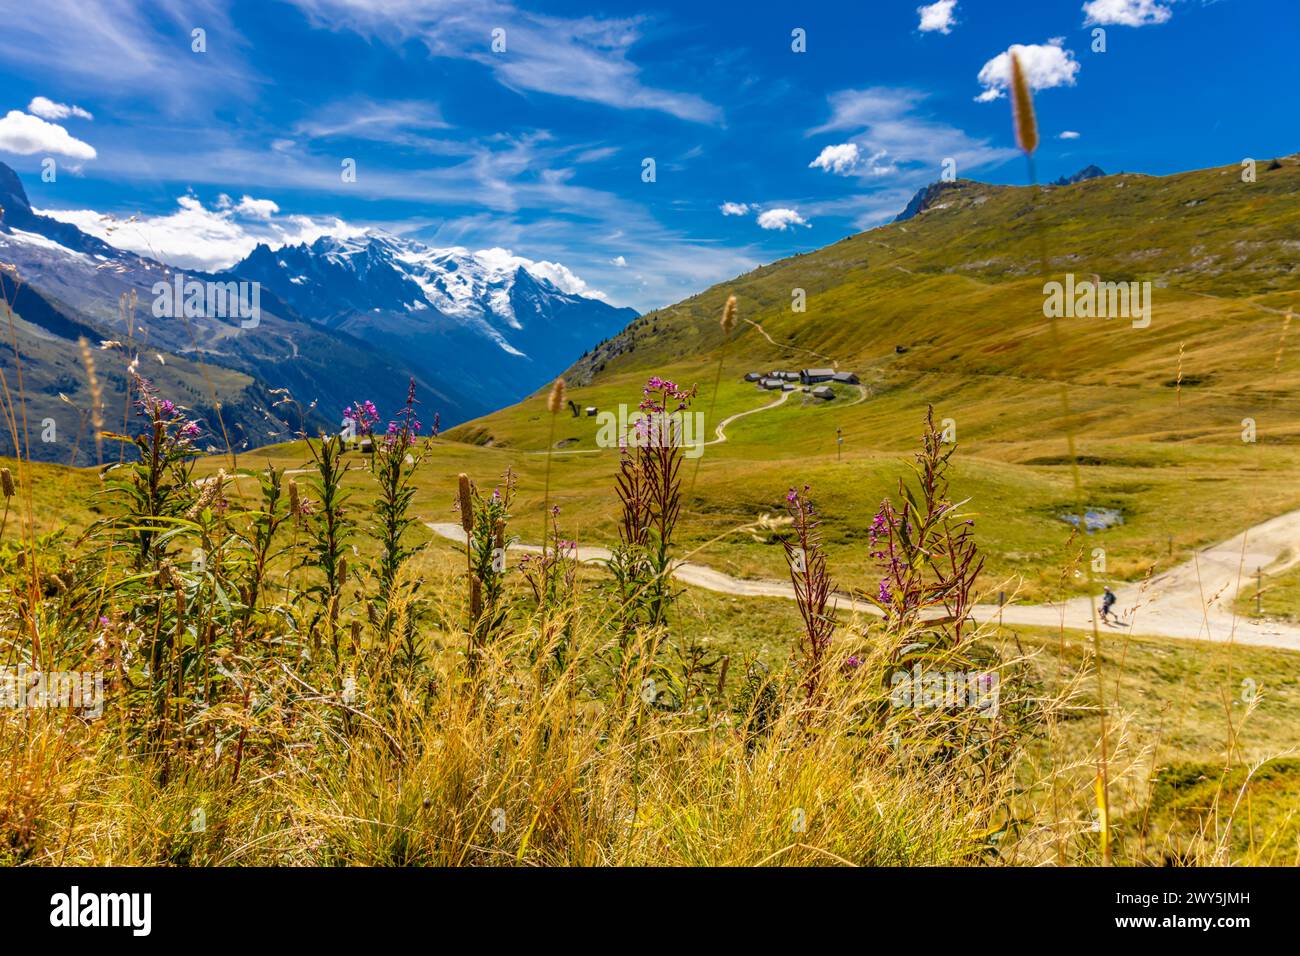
x=1193, y=600
x=720, y=433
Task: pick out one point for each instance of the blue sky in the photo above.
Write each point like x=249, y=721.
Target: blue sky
x=759, y=151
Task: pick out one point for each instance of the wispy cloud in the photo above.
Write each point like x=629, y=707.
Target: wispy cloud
x=394, y=122
x=866, y=209
x=893, y=132
x=48, y=109
x=581, y=58
x=501, y=173
x=130, y=48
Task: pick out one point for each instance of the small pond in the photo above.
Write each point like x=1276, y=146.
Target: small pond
x=1095, y=519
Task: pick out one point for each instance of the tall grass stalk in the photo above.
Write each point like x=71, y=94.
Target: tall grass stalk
x=1026, y=130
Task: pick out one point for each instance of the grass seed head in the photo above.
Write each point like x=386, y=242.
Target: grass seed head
x=208, y=494
x=556, y=399
x=1022, y=108
x=466, y=503
x=729, y=315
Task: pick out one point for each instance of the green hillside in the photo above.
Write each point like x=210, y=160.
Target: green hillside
x=947, y=308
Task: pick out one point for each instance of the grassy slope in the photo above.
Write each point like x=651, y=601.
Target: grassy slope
x=1280, y=597
x=959, y=289
x=52, y=367
x=59, y=498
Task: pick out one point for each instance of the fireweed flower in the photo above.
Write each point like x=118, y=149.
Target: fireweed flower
x=363, y=415
x=163, y=412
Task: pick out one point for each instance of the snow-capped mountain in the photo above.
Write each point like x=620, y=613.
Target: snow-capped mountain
x=505, y=323
x=65, y=285
x=341, y=320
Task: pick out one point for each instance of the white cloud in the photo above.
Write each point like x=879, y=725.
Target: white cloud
x=781, y=219
x=50, y=110
x=1046, y=65
x=257, y=208
x=24, y=134
x=618, y=261
x=197, y=237
x=557, y=274
x=1126, y=13
x=1068, y=134
x=839, y=159
x=937, y=16
x=734, y=208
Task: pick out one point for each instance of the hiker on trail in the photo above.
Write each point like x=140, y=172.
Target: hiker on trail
x=1107, y=603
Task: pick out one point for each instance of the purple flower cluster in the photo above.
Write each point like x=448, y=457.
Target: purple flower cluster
x=163, y=410
x=404, y=430
x=362, y=414
x=659, y=392
x=881, y=527
x=406, y=427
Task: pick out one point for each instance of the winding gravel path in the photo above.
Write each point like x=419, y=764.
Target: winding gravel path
x=1192, y=601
